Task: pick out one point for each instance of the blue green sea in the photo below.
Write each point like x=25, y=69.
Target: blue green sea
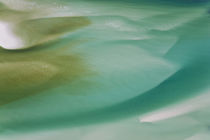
x=104, y=70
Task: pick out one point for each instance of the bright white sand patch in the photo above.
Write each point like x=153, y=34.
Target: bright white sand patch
x=8, y=39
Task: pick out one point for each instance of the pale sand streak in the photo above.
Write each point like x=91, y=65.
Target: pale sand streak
x=178, y=109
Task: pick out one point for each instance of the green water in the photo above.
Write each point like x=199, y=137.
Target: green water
x=92, y=69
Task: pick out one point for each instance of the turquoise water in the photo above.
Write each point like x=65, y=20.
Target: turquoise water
x=107, y=70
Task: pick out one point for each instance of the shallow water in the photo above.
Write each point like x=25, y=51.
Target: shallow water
x=107, y=70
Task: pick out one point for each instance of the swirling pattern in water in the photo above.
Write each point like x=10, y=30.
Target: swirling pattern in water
x=104, y=69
